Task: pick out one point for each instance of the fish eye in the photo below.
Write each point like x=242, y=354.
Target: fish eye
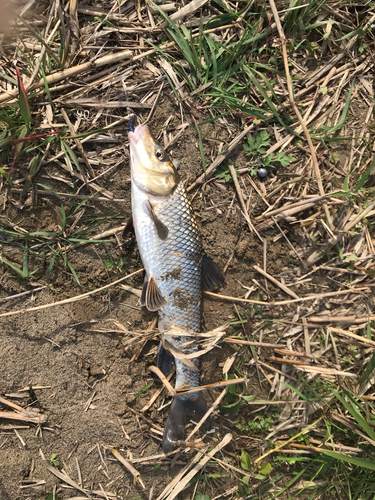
x=160, y=154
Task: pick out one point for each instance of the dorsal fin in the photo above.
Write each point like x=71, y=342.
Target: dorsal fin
x=160, y=227
x=151, y=295
x=212, y=277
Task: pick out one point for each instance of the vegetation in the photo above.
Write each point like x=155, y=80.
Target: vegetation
x=304, y=426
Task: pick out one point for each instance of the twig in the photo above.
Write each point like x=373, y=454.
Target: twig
x=78, y=142
x=22, y=294
x=211, y=169
x=233, y=173
x=284, y=302
x=351, y=335
x=289, y=440
x=125, y=463
x=24, y=414
x=274, y=280
x=207, y=414
x=339, y=56
x=44, y=192
x=11, y=415
x=171, y=493
x=296, y=110
x=184, y=11
x=223, y=383
x=71, y=299
x=93, y=103
x=157, y=394
x=164, y=379
x=68, y=73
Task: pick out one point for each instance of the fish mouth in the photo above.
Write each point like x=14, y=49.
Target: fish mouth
x=137, y=134
x=141, y=134
x=140, y=139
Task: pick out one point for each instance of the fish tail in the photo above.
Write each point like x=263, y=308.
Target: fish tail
x=182, y=409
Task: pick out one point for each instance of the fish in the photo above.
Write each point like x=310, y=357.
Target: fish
x=177, y=271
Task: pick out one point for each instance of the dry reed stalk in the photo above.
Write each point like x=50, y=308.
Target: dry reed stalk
x=170, y=493
x=136, y=475
x=285, y=302
x=156, y=395
x=212, y=408
x=93, y=103
x=188, y=9
x=233, y=173
x=163, y=378
x=351, y=335
x=284, y=288
x=78, y=142
x=44, y=192
x=296, y=110
x=70, y=72
x=230, y=340
x=222, y=383
x=11, y=415
x=71, y=299
x=211, y=169
x=335, y=59
x=285, y=443
x=23, y=414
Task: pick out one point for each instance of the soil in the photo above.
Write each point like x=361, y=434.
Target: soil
x=66, y=356
x=86, y=376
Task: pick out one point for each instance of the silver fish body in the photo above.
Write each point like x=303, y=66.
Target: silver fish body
x=171, y=251
x=176, y=266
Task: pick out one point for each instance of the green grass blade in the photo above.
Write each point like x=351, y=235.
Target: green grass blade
x=6, y=176
x=50, y=267
x=341, y=122
x=200, y=143
x=25, y=268
x=72, y=270
x=364, y=178
x=352, y=408
x=72, y=155
x=14, y=267
x=368, y=370
x=361, y=462
x=23, y=100
x=46, y=86
x=144, y=389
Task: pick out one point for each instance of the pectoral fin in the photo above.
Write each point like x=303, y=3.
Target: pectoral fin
x=129, y=227
x=151, y=296
x=160, y=227
x=212, y=277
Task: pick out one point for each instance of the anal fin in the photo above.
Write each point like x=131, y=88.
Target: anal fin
x=164, y=360
x=151, y=296
x=160, y=227
x=212, y=277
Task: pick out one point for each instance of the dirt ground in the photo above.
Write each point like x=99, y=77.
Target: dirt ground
x=84, y=378
x=64, y=354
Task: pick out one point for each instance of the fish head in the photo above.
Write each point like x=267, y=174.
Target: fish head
x=151, y=169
